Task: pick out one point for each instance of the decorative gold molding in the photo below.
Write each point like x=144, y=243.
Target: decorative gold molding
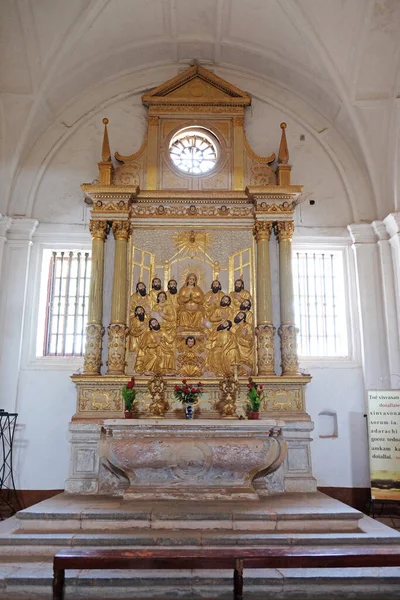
x=284, y=230
x=116, y=348
x=121, y=230
x=290, y=361
x=92, y=359
x=265, y=349
x=262, y=230
x=98, y=229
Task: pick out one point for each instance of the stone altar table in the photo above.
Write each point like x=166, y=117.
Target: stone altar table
x=188, y=460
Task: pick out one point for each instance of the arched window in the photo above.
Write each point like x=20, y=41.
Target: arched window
x=194, y=150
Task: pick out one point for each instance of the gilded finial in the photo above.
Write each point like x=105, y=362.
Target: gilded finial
x=283, y=154
x=105, y=151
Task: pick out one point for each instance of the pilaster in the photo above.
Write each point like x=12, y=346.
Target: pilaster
x=117, y=329
x=371, y=305
x=287, y=330
x=389, y=302
x=265, y=330
x=18, y=232
x=94, y=329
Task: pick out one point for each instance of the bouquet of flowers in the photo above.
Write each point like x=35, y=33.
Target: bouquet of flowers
x=255, y=396
x=187, y=392
x=129, y=394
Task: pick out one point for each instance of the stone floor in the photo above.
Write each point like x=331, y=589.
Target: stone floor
x=29, y=540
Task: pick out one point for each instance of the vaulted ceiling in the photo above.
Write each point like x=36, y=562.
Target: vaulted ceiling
x=342, y=57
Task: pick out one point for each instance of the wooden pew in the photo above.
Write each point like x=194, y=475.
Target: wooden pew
x=235, y=559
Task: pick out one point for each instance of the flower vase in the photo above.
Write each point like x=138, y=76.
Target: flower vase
x=254, y=415
x=189, y=410
x=128, y=414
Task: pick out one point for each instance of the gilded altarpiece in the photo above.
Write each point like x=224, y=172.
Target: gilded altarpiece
x=191, y=291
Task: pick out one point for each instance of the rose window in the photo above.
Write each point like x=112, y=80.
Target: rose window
x=194, y=151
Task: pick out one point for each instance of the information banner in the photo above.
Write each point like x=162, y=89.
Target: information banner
x=384, y=443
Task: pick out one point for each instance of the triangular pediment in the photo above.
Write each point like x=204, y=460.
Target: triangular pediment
x=197, y=85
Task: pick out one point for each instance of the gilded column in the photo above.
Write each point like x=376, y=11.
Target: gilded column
x=287, y=330
x=118, y=329
x=94, y=328
x=265, y=330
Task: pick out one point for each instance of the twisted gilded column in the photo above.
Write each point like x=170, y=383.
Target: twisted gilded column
x=94, y=328
x=117, y=329
x=265, y=330
x=287, y=330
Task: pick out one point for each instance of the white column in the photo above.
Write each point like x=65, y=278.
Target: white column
x=389, y=303
x=5, y=223
x=370, y=301
x=392, y=223
x=13, y=294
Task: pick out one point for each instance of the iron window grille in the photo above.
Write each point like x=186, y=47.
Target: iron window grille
x=320, y=303
x=67, y=303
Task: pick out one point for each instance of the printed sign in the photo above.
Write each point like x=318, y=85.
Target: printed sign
x=384, y=443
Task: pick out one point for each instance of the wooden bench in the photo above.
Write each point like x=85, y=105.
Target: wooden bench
x=234, y=559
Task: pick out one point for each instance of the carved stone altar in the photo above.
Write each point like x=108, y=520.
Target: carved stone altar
x=176, y=460
x=193, y=213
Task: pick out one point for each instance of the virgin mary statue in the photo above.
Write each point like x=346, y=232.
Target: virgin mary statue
x=190, y=304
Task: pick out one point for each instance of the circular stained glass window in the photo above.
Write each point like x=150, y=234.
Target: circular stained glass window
x=194, y=151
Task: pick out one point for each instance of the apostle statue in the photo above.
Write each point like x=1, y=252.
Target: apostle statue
x=150, y=345
x=245, y=343
x=139, y=298
x=246, y=308
x=223, y=353
x=165, y=312
x=239, y=294
x=213, y=297
x=190, y=305
x=172, y=295
x=137, y=326
x=155, y=288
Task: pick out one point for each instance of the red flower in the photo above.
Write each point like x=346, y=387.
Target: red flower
x=193, y=390
x=185, y=390
x=130, y=385
x=199, y=384
x=184, y=380
x=261, y=387
x=133, y=380
x=176, y=387
x=248, y=385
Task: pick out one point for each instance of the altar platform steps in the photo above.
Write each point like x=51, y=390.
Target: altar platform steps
x=29, y=540
x=33, y=581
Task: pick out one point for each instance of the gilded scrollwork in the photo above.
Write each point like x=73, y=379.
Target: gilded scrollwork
x=98, y=229
x=265, y=349
x=290, y=361
x=116, y=348
x=121, y=230
x=283, y=399
x=92, y=360
x=284, y=230
x=229, y=388
x=157, y=390
x=262, y=230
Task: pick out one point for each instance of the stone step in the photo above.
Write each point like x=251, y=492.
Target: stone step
x=33, y=581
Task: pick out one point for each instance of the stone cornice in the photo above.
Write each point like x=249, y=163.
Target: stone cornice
x=362, y=233
x=380, y=230
x=392, y=223
x=22, y=228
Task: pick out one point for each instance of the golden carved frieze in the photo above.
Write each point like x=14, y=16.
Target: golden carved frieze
x=283, y=399
x=162, y=211
x=194, y=196
x=99, y=398
x=284, y=208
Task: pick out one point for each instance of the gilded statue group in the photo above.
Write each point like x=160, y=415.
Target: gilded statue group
x=191, y=333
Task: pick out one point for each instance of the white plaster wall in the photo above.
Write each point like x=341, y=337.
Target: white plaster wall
x=45, y=397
